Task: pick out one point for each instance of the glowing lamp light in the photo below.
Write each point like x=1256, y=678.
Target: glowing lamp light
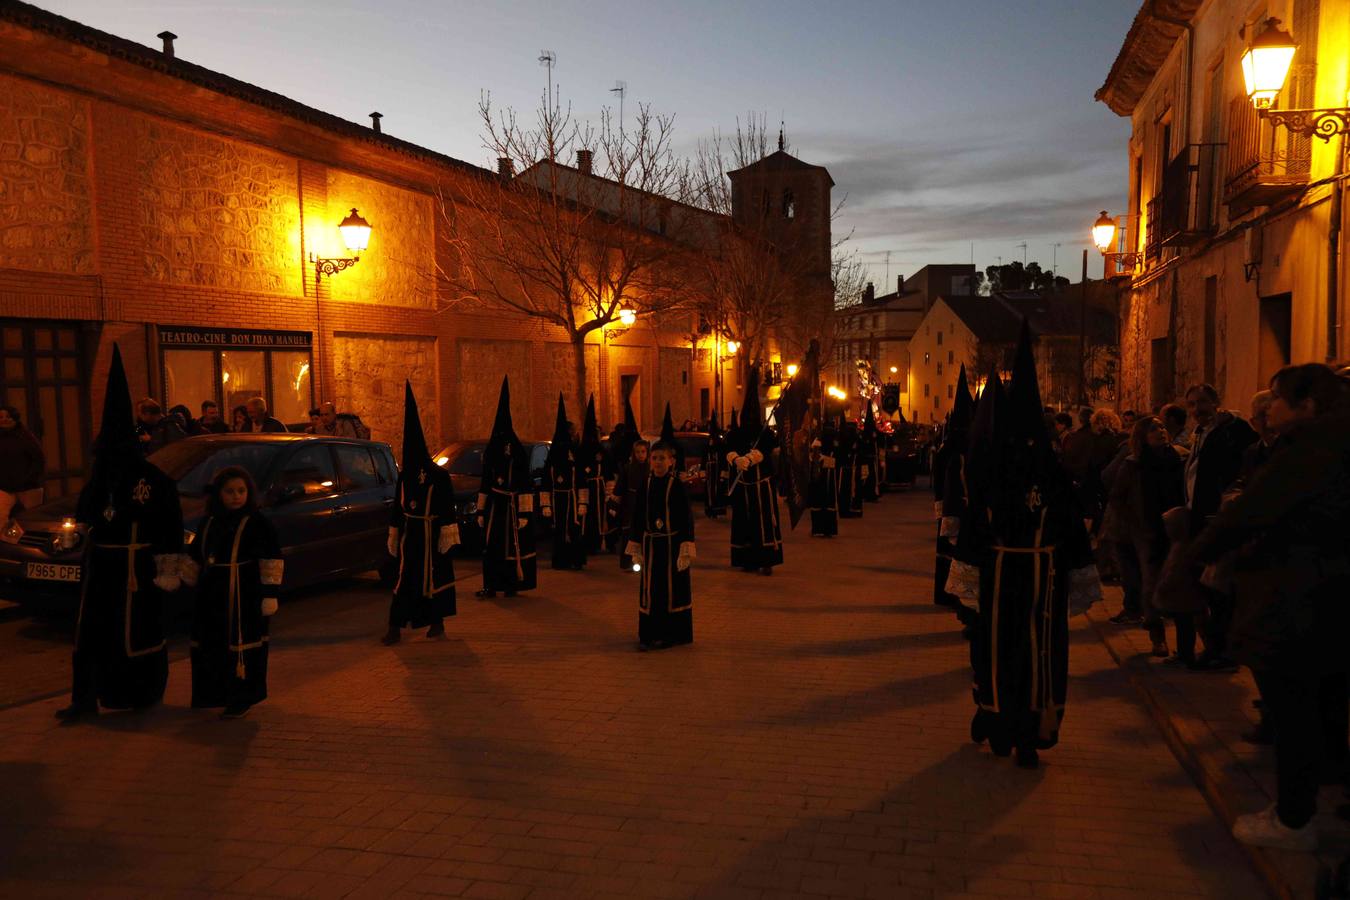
x=792, y=370
x=442, y=460
x=895, y=370
x=637, y=567
x=1266, y=63
x=836, y=393
x=355, y=232
x=1104, y=231
x=732, y=347
x=627, y=317
x=67, y=537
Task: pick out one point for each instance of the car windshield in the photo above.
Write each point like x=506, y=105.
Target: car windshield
x=192, y=463
x=466, y=459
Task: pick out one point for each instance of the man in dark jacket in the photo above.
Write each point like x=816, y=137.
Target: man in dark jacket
x=1218, y=441
x=153, y=428
x=258, y=419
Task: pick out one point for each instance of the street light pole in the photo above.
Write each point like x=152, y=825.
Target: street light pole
x=1082, y=335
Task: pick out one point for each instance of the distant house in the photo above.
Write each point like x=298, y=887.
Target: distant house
x=879, y=328
x=981, y=333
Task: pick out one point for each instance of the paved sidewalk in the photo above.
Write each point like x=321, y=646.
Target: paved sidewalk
x=1204, y=714
x=811, y=743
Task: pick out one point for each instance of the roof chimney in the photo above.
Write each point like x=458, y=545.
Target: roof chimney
x=584, y=158
x=869, y=293
x=375, y=121
x=505, y=167
x=167, y=37
x=899, y=285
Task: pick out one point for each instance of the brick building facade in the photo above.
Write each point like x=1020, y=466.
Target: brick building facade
x=174, y=210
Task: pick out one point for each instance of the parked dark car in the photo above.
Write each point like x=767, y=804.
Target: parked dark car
x=328, y=497
x=464, y=461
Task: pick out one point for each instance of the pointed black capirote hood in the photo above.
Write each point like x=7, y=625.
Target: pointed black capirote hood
x=630, y=420
x=963, y=408
x=117, y=428
x=590, y=432
x=734, y=426
x=714, y=429
x=752, y=416
x=415, y=453
x=501, y=423
x=869, y=421
x=561, y=444
x=1026, y=415
x=668, y=426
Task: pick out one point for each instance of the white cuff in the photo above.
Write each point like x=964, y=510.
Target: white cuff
x=950, y=527
x=188, y=570
x=731, y=457
x=270, y=570
x=755, y=457
x=449, y=537
x=269, y=606
x=526, y=502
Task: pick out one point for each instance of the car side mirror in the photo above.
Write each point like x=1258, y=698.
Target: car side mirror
x=290, y=492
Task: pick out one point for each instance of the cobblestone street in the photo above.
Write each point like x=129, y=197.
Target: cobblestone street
x=811, y=742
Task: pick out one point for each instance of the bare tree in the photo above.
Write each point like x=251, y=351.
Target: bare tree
x=569, y=245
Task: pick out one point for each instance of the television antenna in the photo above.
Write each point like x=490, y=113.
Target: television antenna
x=548, y=59
x=1054, y=259
x=1023, y=245
x=620, y=88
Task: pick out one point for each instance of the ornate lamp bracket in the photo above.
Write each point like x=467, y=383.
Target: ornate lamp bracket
x=1322, y=123
x=330, y=266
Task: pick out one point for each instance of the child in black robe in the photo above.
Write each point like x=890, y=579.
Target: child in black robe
x=824, y=492
x=506, y=509
x=661, y=544
x=235, y=562
x=563, y=498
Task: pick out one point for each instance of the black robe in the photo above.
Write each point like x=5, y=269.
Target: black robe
x=756, y=536
x=567, y=494
x=869, y=469
x=847, y=459
x=597, y=476
x=716, y=477
x=824, y=491
x=1033, y=550
x=230, y=557
x=662, y=524
x=506, y=507
x=133, y=517
x=424, y=592
x=630, y=482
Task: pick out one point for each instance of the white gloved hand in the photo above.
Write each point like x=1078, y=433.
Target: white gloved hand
x=188, y=570
x=269, y=606
x=166, y=572
x=688, y=553
x=866, y=471
x=581, y=510
x=523, y=521
x=391, y=542
x=482, y=523
x=742, y=462
x=448, y=537
x=633, y=550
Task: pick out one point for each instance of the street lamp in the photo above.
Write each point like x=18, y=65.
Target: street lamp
x=627, y=317
x=792, y=370
x=895, y=370
x=356, y=235
x=1265, y=65
x=732, y=347
x=1104, y=236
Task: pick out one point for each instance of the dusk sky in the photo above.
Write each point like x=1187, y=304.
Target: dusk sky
x=943, y=124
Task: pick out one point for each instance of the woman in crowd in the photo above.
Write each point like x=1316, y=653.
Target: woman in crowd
x=1291, y=526
x=1144, y=484
x=235, y=561
x=239, y=420
x=22, y=464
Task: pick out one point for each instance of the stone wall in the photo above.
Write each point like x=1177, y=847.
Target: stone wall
x=675, y=362
x=216, y=213
x=398, y=268
x=481, y=367
x=369, y=372
x=45, y=210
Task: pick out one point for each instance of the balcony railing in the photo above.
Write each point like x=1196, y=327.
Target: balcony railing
x=1265, y=164
x=1183, y=211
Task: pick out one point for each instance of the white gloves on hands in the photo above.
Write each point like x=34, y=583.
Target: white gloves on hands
x=634, y=550
x=742, y=462
x=688, y=553
x=269, y=606
x=166, y=572
x=391, y=542
x=448, y=538
x=188, y=570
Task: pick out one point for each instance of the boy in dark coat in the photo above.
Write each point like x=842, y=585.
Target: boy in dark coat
x=661, y=544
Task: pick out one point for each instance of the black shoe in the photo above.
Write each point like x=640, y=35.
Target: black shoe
x=391, y=637
x=1028, y=758
x=485, y=594
x=510, y=593
x=766, y=571
x=436, y=631
x=1207, y=663
x=951, y=601
x=979, y=727
x=235, y=711
x=76, y=711
x=1177, y=661
x=1126, y=618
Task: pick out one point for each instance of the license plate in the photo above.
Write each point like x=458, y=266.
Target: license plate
x=53, y=572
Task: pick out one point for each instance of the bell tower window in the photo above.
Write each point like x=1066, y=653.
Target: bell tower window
x=789, y=205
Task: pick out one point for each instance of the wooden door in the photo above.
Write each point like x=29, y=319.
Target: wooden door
x=43, y=374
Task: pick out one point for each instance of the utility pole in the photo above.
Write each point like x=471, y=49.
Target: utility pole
x=1082, y=335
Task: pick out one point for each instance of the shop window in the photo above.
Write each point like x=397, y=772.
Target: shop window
x=189, y=378
x=939, y=339
x=243, y=376
x=291, y=385
x=926, y=390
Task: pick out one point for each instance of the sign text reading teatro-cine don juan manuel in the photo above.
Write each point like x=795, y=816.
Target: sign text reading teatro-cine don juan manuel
x=187, y=336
